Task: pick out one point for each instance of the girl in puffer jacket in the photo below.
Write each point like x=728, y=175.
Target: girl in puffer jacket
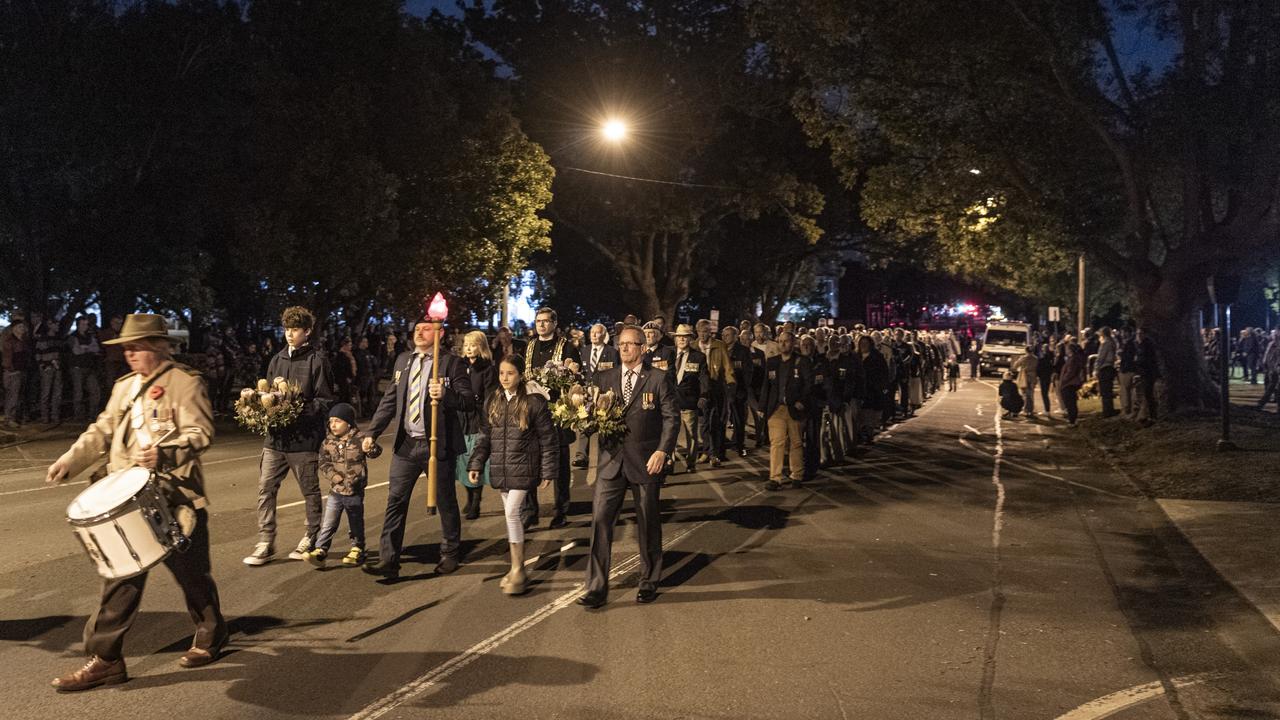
x=520, y=444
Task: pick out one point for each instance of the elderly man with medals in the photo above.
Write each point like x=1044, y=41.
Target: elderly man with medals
x=159, y=418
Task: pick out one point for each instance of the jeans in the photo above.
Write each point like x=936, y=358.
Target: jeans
x=13, y=382
x=272, y=469
x=334, y=507
x=50, y=394
x=407, y=464
x=85, y=381
x=1029, y=394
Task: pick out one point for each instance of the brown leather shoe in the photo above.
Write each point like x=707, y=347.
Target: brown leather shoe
x=96, y=672
x=199, y=657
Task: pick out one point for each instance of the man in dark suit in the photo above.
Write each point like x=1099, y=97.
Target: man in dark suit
x=406, y=406
x=637, y=461
x=740, y=359
x=787, y=380
x=692, y=390
x=599, y=355
x=656, y=354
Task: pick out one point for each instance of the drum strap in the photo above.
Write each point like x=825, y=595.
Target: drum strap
x=131, y=406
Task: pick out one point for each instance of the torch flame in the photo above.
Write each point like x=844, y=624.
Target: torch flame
x=438, y=310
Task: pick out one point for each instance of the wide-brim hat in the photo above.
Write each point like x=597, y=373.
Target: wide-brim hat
x=685, y=330
x=142, y=326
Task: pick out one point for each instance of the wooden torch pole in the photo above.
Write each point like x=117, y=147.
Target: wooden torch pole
x=435, y=420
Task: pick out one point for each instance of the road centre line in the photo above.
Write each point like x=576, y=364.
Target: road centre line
x=86, y=482
x=425, y=682
x=1051, y=476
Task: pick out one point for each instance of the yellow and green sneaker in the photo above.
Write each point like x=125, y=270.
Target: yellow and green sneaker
x=355, y=557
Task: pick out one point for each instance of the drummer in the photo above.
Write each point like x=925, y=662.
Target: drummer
x=127, y=432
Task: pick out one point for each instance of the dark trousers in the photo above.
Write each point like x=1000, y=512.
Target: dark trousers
x=1045, y=382
x=335, y=506
x=759, y=422
x=407, y=464
x=737, y=408
x=712, y=428
x=1106, y=387
x=1069, y=397
x=1148, y=385
x=529, y=511
x=105, y=631
x=605, y=507
x=1270, y=382
x=812, y=443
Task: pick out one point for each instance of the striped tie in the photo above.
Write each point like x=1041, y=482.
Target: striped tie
x=415, y=389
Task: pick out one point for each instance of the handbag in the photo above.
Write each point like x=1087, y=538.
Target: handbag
x=460, y=468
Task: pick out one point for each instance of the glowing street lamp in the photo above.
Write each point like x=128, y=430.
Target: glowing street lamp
x=614, y=130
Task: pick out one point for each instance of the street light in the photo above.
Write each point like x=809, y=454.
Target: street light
x=614, y=130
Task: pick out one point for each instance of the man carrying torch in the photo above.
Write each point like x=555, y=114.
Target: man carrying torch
x=429, y=388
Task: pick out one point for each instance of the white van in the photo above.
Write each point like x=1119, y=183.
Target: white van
x=1002, y=343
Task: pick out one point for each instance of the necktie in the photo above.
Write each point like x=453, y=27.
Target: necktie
x=415, y=389
x=628, y=386
x=595, y=357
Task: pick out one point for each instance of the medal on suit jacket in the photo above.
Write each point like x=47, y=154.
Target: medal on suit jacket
x=647, y=401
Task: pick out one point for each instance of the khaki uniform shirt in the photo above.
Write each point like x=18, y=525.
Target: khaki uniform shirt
x=175, y=404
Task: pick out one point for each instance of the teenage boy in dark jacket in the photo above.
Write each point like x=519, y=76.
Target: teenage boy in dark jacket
x=294, y=448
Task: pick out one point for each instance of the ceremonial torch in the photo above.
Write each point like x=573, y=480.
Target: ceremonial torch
x=437, y=312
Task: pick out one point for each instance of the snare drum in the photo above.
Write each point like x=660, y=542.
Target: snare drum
x=125, y=524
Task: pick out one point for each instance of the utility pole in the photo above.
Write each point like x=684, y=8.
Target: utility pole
x=1080, y=315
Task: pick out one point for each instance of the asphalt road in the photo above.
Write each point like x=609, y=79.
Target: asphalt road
x=966, y=567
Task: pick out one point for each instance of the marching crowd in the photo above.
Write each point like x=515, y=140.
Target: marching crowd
x=471, y=418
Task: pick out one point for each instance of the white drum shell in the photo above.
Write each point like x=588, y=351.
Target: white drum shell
x=120, y=540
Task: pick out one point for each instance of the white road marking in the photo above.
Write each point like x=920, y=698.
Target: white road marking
x=296, y=503
x=973, y=429
x=43, y=487
x=563, y=549
x=985, y=704
x=425, y=682
x=1037, y=471
x=86, y=482
x=1108, y=705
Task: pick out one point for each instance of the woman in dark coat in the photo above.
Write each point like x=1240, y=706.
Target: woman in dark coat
x=1070, y=378
x=523, y=451
x=483, y=376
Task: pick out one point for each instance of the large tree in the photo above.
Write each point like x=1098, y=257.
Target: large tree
x=681, y=75
x=1010, y=134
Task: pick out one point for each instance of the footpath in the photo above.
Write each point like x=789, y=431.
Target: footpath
x=1231, y=518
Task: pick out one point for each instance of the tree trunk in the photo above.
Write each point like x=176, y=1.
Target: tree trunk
x=1166, y=312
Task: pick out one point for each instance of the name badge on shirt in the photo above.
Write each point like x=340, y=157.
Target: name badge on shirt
x=647, y=401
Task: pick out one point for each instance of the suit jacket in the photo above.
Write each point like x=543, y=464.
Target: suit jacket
x=694, y=383
x=609, y=358
x=796, y=375
x=652, y=423
x=457, y=398
x=740, y=360
x=182, y=396
x=661, y=358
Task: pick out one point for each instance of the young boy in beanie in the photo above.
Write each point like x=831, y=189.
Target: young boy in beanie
x=344, y=464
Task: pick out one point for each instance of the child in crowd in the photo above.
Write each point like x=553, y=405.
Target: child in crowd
x=1010, y=398
x=953, y=373
x=344, y=464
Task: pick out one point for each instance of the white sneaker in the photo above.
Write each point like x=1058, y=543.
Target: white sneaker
x=261, y=555
x=304, y=547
